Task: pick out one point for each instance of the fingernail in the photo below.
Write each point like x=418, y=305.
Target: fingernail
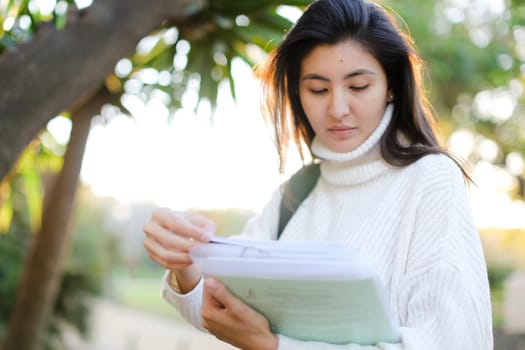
x=211, y=283
x=206, y=236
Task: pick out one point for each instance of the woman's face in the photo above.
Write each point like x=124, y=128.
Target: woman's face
x=344, y=92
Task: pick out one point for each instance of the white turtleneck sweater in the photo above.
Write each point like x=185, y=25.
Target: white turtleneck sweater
x=415, y=224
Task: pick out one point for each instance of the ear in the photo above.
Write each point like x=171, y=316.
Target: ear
x=389, y=96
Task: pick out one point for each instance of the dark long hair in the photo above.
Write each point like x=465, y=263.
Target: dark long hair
x=366, y=23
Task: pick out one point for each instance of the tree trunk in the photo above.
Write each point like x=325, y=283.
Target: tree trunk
x=59, y=69
x=43, y=266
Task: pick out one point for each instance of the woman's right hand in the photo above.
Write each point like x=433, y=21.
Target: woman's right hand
x=170, y=235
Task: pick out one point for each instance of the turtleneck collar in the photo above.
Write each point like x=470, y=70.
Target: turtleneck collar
x=357, y=166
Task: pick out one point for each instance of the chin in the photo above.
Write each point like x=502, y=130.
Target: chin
x=342, y=148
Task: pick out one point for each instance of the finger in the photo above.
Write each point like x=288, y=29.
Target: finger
x=174, y=262
x=212, y=312
x=218, y=292
x=183, y=224
x=167, y=258
x=208, y=299
x=234, y=322
x=166, y=238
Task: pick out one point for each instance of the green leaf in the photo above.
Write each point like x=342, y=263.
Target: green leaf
x=200, y=61
x=237, y=7
x=33, y=191
x=261, y=36
x=32, y=185
x=209, y=89
x=6, y=207
x=158, y=49
x=298, y=3
x=7, y=42
x=60, y=20
x=239, y=49
x=231, y=81
x=273, y=21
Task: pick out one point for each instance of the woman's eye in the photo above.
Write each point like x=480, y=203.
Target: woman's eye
x=359, y=87
x=318, y=91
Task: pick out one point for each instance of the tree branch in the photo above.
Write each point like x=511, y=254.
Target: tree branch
x=60, y=69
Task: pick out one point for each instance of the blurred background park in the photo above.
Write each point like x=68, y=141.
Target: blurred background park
x=111, y=108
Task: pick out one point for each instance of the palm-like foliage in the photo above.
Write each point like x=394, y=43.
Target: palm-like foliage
x=200, y=52
x=202, y=49
x=20, y=19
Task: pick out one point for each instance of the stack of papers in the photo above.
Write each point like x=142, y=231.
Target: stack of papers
x=311, y=291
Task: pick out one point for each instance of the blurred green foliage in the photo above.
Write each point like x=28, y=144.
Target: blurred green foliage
x=26, y=183
x=12, y=251
x=93, y=252
x=504, y=254
x=468, y=50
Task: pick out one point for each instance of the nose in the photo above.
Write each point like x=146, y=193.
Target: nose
x=339, y=107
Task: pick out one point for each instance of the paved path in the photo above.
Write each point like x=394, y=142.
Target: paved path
x=115, y=327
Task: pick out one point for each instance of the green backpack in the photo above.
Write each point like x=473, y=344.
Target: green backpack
x=296, y=189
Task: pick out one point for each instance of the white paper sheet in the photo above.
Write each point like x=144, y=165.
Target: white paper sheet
x=313, y=291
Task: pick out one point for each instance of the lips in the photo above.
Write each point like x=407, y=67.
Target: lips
x=341, y=130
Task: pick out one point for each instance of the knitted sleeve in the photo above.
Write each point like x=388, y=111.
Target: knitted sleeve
x=263, y=226
x=445, y=289
x=188, y=305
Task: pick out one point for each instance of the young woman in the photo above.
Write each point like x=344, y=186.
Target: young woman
x=345, y=82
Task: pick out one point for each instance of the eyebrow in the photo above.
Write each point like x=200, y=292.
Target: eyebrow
x=314, y=76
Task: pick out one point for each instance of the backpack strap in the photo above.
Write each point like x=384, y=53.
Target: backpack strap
x=295, y=190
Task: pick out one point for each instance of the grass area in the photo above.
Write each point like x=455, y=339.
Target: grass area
x=143, y=293
x=496, y=296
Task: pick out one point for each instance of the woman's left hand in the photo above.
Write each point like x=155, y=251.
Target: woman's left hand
x=229, y=319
